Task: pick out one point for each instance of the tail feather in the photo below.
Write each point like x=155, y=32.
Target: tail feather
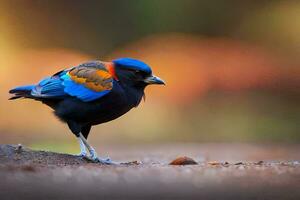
x=22, y=91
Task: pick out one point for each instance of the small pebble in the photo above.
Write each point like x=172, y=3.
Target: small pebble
x=259, y=162
x=19, y=148
x=238, y=163
x=214, y=163
x=184, y=160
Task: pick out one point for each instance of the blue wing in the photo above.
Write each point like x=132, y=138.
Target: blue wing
x=80, y=91
x=86, y=82
x=49, y=87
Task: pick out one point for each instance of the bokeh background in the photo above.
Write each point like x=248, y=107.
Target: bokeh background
x=232, y=68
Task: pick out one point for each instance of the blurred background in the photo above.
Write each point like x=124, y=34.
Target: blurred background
x=232, y=68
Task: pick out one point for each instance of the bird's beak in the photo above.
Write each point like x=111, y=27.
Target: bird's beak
x=154, y=80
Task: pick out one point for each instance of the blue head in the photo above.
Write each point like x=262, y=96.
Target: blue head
x=134, y=64
x=135, y=72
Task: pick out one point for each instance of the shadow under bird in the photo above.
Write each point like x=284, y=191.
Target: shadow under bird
x=92, y=93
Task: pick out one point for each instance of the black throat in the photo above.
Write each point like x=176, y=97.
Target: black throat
x=134, y=93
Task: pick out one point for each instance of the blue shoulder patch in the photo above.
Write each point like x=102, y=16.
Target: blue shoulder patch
x=133, y=64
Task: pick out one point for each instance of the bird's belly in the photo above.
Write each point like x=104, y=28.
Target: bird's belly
x=91, y=113
x=106, y=115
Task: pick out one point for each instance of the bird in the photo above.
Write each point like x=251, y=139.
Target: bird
x=92, y=93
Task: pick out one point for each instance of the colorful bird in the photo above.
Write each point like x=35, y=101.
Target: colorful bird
x=92, y=93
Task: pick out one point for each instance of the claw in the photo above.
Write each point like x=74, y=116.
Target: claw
x=106, y=161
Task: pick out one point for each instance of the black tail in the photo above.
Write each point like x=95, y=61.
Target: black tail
x=22, y=91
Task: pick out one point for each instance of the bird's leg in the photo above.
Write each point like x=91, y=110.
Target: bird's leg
x=93, y=153
x=91, y=150
x=83, y=152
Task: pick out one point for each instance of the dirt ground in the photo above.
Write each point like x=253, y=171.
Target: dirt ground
x=224, y=171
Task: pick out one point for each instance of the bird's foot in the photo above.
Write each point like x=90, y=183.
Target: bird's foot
x=95, y=158
x=82, y=154
x=106, y=161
